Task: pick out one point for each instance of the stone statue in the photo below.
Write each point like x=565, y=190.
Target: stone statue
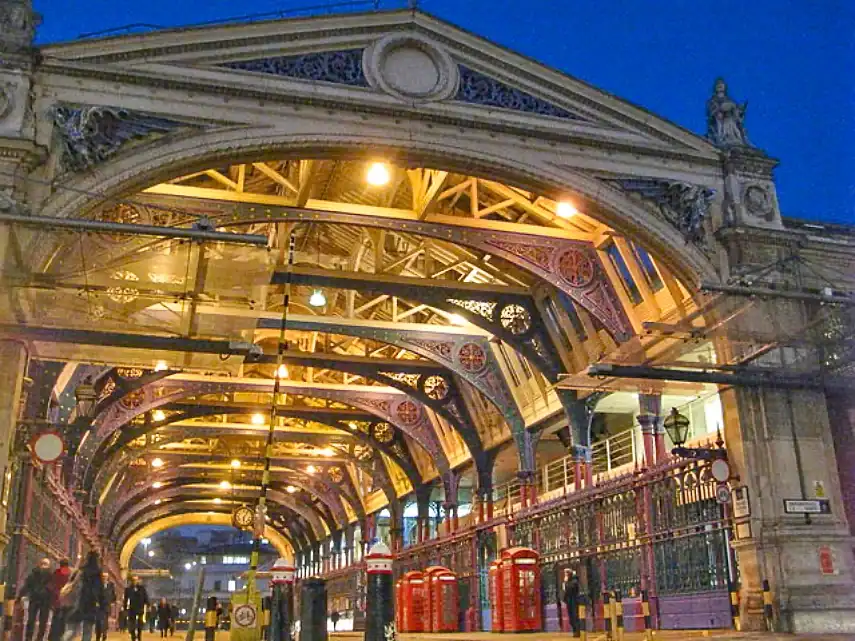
x=725, y=118
x=18, y=24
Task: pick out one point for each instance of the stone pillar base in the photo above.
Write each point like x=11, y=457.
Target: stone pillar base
x=821, y=609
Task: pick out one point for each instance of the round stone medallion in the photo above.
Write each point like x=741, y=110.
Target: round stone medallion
x=410, y=67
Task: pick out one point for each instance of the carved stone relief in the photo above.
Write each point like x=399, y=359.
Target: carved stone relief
x=410, y=67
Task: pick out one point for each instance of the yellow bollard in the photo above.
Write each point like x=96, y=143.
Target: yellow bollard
x=645, y=610
x=583, y=618
x=734, y=607
x=768, y=611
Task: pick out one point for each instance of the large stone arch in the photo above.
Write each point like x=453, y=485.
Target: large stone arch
x=159, y=524
x=300, y=138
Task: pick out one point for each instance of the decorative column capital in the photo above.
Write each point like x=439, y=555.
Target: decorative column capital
x=582, y=453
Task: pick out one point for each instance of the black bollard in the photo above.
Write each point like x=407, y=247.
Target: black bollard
x=380, y=601
x=282, y=603
x=313, y=610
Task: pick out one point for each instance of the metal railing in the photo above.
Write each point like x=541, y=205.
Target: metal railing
x=607, y=455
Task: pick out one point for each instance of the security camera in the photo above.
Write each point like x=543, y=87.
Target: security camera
x=254, y=353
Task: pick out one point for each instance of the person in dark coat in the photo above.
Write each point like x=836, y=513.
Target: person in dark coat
x=102, y=624
x=60, y=578
x=134, y=603
x=164, y=614
x=152, y=617
x=37, y=589
x=83, y=611
x=570, y=589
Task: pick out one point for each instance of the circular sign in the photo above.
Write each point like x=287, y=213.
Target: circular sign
x=48, y=447
x=722, y=494
x=245, y=616
x=720, y=470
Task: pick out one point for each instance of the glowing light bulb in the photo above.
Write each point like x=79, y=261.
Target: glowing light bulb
x=327, y=451
x=225, y=485
x=150, y=553
x=456, y=319
x=235, y=463
x=566, y=209
x=187, y=566
x=352, y=425
x=157, y=484
x=311, y=469
x=317, y=299
x=158, y=502
x=282, y=371
x=158, y=415
x=378, y=174
x=218, y=500
x=258, y=419
x=161, y=366
x=158, y=462
x=290, y=489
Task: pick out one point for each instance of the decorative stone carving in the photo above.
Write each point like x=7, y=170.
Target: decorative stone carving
x=684, y=205
x=18, y=24
x=90, y=135
x=410, y=67
x=7, y=99
x=476, y=88
x=749, y=191
x=726, y=118
x=337, y=67
x=758, y=201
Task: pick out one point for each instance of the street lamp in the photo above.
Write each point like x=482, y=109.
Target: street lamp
x=87, y=402
x=677, y=427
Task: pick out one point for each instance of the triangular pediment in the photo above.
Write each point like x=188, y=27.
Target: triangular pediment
x=385, y=58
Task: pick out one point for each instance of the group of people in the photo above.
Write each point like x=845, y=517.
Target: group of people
x=78, y=602
x=73, y=601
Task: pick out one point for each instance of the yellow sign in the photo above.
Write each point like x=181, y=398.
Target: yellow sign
x=819, y=489
x=246, y=616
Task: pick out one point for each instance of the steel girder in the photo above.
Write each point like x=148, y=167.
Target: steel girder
x=105, y=461
x=389, y=405
x=571, y=266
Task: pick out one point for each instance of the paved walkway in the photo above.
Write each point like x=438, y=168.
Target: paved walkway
x=662, y=635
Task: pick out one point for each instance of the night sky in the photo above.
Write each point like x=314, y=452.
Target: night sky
x=793, y=61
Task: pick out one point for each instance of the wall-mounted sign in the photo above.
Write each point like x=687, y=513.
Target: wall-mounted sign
x=741, y=503
x=722, y=493
x=720, y=470
x=47, y=447
x=807, y=506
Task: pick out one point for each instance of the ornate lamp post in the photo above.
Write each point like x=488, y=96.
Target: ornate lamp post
x=87, y=401
x=677, y=427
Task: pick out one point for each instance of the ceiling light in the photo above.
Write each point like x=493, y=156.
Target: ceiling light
x=282, y=370
x=218, y=500
x=235, y=463
x=352, y=425
x=225, y=485
x=151, y=553
x=311, y=469
x=161, y=366
x=378, y=174
x=456, y=319
x=187, y=566
x=290, y=489
x=158, y=415
x=158, y=502
x=566, y=209
x=258, y=419
x=327, y=451
x=317, y=299
x=157, y=484
x=158, y=462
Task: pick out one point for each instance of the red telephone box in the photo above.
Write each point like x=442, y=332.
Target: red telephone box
x=411, y=603
x=444, y=600
x=429, y=599
x=494, y=583
x=521, y=590
x=399, y=601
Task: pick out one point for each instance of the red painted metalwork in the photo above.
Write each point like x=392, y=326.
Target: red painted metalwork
x=411, y=601
x=444, y=600
x=521, y=590
x=494, y=582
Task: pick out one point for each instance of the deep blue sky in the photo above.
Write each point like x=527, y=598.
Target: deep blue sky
x=792, y=60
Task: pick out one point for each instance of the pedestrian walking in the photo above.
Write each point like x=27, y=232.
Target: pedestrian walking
x=164, y=612
x=570, y=589
x=135, y=602
x=58, y=581
x=37, y=592
x=152, y=617
x=84, y=597
x=102, y=624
